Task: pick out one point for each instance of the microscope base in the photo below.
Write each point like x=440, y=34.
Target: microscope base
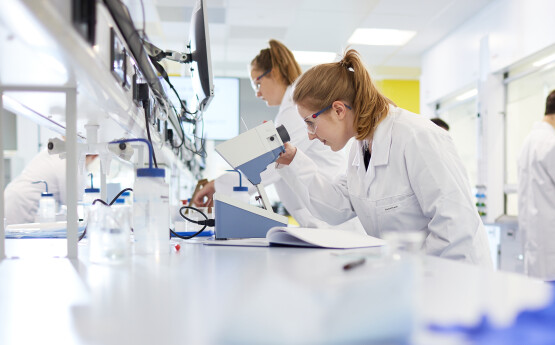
x=235, y=219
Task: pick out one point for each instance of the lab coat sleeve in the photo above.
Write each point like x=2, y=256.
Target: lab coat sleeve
x=326, y=199
x=548, y=162
x=439, y=181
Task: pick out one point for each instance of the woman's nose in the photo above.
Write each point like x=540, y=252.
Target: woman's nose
x=258, y=94
x=311, y=136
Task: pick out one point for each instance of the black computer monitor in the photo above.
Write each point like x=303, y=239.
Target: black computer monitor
x=201, y=66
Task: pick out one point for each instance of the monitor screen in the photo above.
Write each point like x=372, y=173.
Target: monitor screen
x=201, y=66
x=221, y=119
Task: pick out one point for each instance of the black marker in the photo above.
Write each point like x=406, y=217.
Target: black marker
x=354, y=264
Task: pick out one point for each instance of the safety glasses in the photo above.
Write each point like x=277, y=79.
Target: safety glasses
x=256, y=82
x=311, y=125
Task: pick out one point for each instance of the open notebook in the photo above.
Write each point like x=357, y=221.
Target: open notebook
x=306, y=237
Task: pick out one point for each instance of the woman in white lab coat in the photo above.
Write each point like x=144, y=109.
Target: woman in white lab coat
x=272, y=72
x=536, y=196
x=403, y=172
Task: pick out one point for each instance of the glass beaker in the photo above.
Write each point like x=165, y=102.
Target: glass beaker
x=109, y=232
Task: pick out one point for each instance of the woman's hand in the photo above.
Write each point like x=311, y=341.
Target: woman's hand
x=205, y=195
x=286, y=157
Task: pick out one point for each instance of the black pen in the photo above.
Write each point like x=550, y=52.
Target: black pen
x=354, y=264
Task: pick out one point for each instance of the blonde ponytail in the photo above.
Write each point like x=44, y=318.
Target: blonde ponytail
x=279, y=59
x=349, y=81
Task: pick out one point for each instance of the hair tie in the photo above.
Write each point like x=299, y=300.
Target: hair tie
x=347, y=65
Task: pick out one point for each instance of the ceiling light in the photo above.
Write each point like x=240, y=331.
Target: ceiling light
x=381, y=37
x=313, y=58
x=467, y=95
x=544, y=61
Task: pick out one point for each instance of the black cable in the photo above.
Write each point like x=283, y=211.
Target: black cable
x=104, y=203
x=202, y=151
x=180, y=123
x=119, y=194
x=100, y=201
x=165, y=76
x=134, y=39
x=146, y=107
x=123, y=16
x=205, y=222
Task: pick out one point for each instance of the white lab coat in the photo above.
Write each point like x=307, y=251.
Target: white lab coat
x=415, y=181
x=536, y=201
x=330, y=163
x=22, y=197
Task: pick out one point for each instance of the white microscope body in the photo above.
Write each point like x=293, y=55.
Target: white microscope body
x=251, y=153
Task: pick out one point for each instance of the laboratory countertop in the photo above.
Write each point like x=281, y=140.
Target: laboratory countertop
x=248, y=295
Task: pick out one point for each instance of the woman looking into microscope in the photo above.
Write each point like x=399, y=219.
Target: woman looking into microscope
x=272, y=74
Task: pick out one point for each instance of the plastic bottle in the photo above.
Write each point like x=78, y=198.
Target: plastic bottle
x=241, y=192
x=151, y=211
x=126, y=196
x=91, y=194
x=47, y=206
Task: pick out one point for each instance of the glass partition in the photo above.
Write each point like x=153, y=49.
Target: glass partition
x=525, y=105
x=462, y=119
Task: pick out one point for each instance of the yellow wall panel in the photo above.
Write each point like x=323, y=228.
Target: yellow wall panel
x=405, y=93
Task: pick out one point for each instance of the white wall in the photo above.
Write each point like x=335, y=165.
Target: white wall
x=476, y=54
x=516, y=29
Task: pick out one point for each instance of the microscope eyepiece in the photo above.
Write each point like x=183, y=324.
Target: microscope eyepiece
x=283, y=134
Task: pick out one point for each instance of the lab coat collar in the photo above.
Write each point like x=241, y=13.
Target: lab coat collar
x=381, y=145
x=544, y=126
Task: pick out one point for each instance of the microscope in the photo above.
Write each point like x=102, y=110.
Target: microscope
x=250, y=152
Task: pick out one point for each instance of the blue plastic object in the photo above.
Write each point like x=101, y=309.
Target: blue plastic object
x=254, y=167
x=46, y=186
x=531, y=327
x=92, y=189
x=240, y=187
x=144, y=172
x=235, y=222
x=204, y=233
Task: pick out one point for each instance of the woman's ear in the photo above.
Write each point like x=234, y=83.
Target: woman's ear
x=339, y=109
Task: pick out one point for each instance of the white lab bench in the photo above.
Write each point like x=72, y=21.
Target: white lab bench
x=246, y=295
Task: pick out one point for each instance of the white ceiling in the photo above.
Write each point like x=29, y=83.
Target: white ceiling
x=239, y=29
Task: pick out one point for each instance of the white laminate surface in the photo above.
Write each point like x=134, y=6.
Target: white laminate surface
x=248, y=295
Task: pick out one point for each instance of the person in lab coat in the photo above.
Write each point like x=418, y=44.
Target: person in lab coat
x=272, y=72
x=403, y=173
x=536, y=196
x=21, y=196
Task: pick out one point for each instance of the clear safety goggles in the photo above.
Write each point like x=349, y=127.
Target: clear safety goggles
x=311, y=126
x=256, y=82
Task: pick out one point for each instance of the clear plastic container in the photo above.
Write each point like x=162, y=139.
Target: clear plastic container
x=109, y=234
x=47, y=209
x=151, y=212
x=240, y=192
x=128, y=200
x=47, y=206
x=91, y=194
